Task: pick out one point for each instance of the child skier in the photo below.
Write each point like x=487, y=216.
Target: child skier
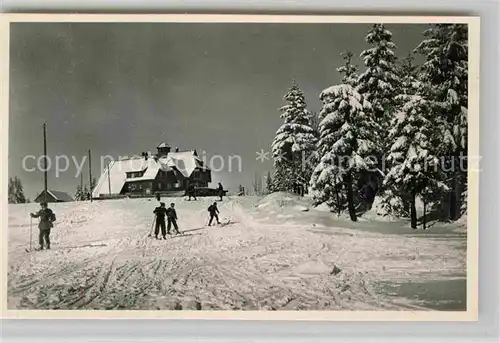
x=172, y=219
x=47, y=218
x=160, y=213
x=213, y=210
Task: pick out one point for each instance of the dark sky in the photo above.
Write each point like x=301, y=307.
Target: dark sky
x=120, y=89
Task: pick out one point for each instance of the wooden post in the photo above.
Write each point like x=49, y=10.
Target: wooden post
x=81, y=186
x=90, y=176
x=109, y=180
x=45, y=188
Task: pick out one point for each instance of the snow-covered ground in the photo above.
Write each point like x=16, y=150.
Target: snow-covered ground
x=270, y=253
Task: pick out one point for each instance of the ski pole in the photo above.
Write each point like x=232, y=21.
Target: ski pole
x=152, y=224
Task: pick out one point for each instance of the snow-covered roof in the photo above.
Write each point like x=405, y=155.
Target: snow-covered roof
x=185, y=162
x=57, y=195
x=163, y=145
x=62, y=196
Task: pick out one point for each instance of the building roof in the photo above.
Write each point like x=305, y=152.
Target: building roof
x=57, y=195
x=184, y=162
x=163, y=145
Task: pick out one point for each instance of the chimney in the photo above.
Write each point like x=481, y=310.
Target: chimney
x=163, y=149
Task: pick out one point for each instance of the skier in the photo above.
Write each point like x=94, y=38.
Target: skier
x=220, y=191
x=160, y=213
x=241, y=191
x=191, y=192
x=47, y=217
x=158, y=197
x=172, y=219
x=213, y=210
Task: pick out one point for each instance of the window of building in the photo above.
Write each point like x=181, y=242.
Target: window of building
x=131, y=175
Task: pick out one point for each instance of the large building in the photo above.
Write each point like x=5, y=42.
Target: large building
x=167, y=171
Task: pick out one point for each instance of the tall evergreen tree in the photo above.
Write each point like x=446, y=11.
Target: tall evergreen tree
x=414, y=166
x=380, y=81
x=445, y=75
x=16, y=191
x=394, y=199
x=345, y=144
x=294, y=143
x=79, y=196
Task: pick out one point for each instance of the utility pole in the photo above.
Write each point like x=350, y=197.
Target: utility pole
x=81, y=186
x=45, y=162
x=90, y=176
x=109, y=180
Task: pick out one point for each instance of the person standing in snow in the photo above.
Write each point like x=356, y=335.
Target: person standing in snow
x=47, y=218
x=214, y=211
x=172, y=219
x=220, y=191
x=160, y=213
x=191, y=192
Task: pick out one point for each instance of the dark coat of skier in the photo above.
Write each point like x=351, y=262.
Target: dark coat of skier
x=172, y=219
x=191, y=191
x=47, y=218
x=214, y=213
x=160, y=213
x=220, y=191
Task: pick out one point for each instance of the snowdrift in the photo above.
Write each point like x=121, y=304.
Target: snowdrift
x=267, y=255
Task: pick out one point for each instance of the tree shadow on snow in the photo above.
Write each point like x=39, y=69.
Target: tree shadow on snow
x=185, y=235
x=198, y=229
x=84, y=246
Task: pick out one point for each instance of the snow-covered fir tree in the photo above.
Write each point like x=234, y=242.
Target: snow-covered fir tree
x=269, y=183
x=79, y=196
x=414, y=167
x=445, y=76
x=380, y=81
x=349, y=70
x=395, y=201
x=345, y=144
x=293, y=147
x=16, y=191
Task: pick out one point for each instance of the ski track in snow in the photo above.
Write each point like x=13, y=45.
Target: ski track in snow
x=267, y=258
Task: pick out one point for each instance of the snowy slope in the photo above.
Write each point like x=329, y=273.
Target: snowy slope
x=271, y=254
